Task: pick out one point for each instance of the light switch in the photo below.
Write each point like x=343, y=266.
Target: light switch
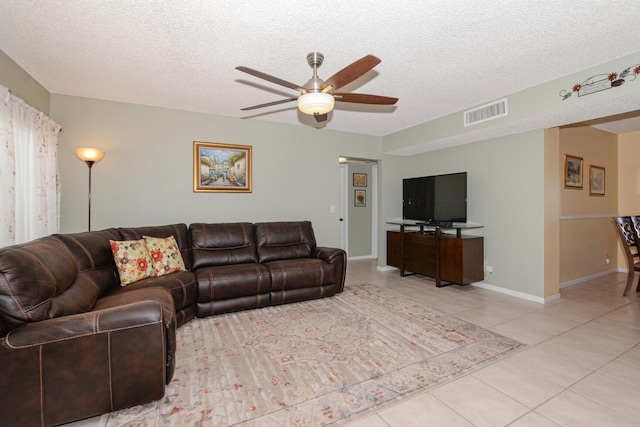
x=332, y=209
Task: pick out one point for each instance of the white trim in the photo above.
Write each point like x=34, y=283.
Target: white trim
x=516, y=294
x=386, y=268
x=344, y=203
x=571, y=217
x=591, y=277
x=374, y=210
x=355, y=258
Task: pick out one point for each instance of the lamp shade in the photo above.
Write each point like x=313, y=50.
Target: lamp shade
x=89, y=154
x=316, y=103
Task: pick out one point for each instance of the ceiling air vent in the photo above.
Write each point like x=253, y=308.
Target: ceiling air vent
x=486, y=112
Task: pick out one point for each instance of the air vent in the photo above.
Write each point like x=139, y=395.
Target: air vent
x=486, y=112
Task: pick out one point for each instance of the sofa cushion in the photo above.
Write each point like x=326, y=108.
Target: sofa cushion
x=178, y=231
x=300, y=273
x=165, y=255
x=181, y=285
x=39, y=280
x=92, y=253
x=226, y=288
x=222, y=244
x=132, y=260
x=284, y=240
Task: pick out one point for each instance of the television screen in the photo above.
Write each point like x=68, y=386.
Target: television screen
x=436, y=199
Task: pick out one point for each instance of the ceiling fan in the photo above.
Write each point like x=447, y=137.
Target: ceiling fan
x=317, y=96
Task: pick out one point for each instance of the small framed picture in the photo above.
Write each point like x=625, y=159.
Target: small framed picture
x=573, y=172
x=360, y=199
x=596, y=180
x=359, y=179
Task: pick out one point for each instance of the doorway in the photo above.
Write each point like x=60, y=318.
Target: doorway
x=359, y=208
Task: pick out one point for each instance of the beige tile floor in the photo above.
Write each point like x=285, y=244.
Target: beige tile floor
x=581, y=366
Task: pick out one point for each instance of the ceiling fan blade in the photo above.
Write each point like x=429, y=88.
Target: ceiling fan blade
x=351, y=72
x=361, y=98
x=269, y=78
x=269, y=104
x=320, y=117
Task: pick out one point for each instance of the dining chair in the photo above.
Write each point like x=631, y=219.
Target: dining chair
x=629, y=237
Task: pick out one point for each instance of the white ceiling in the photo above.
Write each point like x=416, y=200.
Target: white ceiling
x=438, y=57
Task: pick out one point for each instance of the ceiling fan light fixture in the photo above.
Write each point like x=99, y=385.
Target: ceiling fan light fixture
x=316, y=103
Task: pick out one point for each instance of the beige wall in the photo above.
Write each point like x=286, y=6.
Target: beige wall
x=587, y=237
x=628, y=181
x=629, y=173
x=22, y=84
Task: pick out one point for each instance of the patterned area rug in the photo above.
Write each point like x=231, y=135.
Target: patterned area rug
x=312, y=363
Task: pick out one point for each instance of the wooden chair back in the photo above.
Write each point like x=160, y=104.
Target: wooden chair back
x=629, y=237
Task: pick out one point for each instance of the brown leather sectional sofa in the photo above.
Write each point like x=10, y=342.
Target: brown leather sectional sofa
x=74, y=343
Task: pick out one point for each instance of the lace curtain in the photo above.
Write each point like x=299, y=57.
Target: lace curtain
x=29, y=184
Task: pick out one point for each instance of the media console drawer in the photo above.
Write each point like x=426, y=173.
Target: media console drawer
x=459, y=260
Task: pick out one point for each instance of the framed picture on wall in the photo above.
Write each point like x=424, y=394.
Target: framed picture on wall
x=360, y=199
x=221, y=168
x=573, y=172
x=359, y=179
x=596, y=180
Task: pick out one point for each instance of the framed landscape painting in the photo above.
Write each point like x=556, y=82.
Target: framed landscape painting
x=221, y=168
x=573, y=172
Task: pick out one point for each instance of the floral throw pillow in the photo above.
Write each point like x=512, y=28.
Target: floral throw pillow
x=132, y=260
x=165, y=255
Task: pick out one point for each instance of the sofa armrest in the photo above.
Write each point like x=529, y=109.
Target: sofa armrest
x=74, y=367
x=338, y=258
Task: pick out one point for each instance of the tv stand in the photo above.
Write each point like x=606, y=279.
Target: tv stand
x=421, y=248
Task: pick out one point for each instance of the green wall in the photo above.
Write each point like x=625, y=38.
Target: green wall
x=146, y=176
x=506, y=195
x=22, y=84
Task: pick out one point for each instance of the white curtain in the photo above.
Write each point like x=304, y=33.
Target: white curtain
x=29, y=184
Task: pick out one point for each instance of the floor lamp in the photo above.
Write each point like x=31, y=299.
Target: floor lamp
x=89, y=156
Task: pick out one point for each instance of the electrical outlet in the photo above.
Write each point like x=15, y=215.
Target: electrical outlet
x=488, y=269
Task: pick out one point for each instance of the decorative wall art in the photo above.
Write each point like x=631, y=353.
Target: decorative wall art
x=573, y=172
x=360, y=199
x=359, y=179
x=221, y=168
x=601, y=82
x=596, y=180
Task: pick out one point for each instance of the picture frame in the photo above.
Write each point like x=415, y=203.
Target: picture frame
x=221, y=168
x=573, y=171
x=359, y=179
x=360, y=198
x=596, y=180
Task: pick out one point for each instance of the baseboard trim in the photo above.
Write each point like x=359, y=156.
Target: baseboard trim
x=516, y=294
x=355, y=258
x=591, y=277
x=386, y=268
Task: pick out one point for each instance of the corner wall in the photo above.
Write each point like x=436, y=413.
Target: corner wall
x=506, y=195
x=628, y=181
x=23, y=85
x=587, y=236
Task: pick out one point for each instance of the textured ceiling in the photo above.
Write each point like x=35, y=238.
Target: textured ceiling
x=438, y=57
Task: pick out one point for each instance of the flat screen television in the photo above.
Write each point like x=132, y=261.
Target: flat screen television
x=437, y=199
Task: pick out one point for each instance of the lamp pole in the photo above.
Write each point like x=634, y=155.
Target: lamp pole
x=89, y=156
x=89, y=163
